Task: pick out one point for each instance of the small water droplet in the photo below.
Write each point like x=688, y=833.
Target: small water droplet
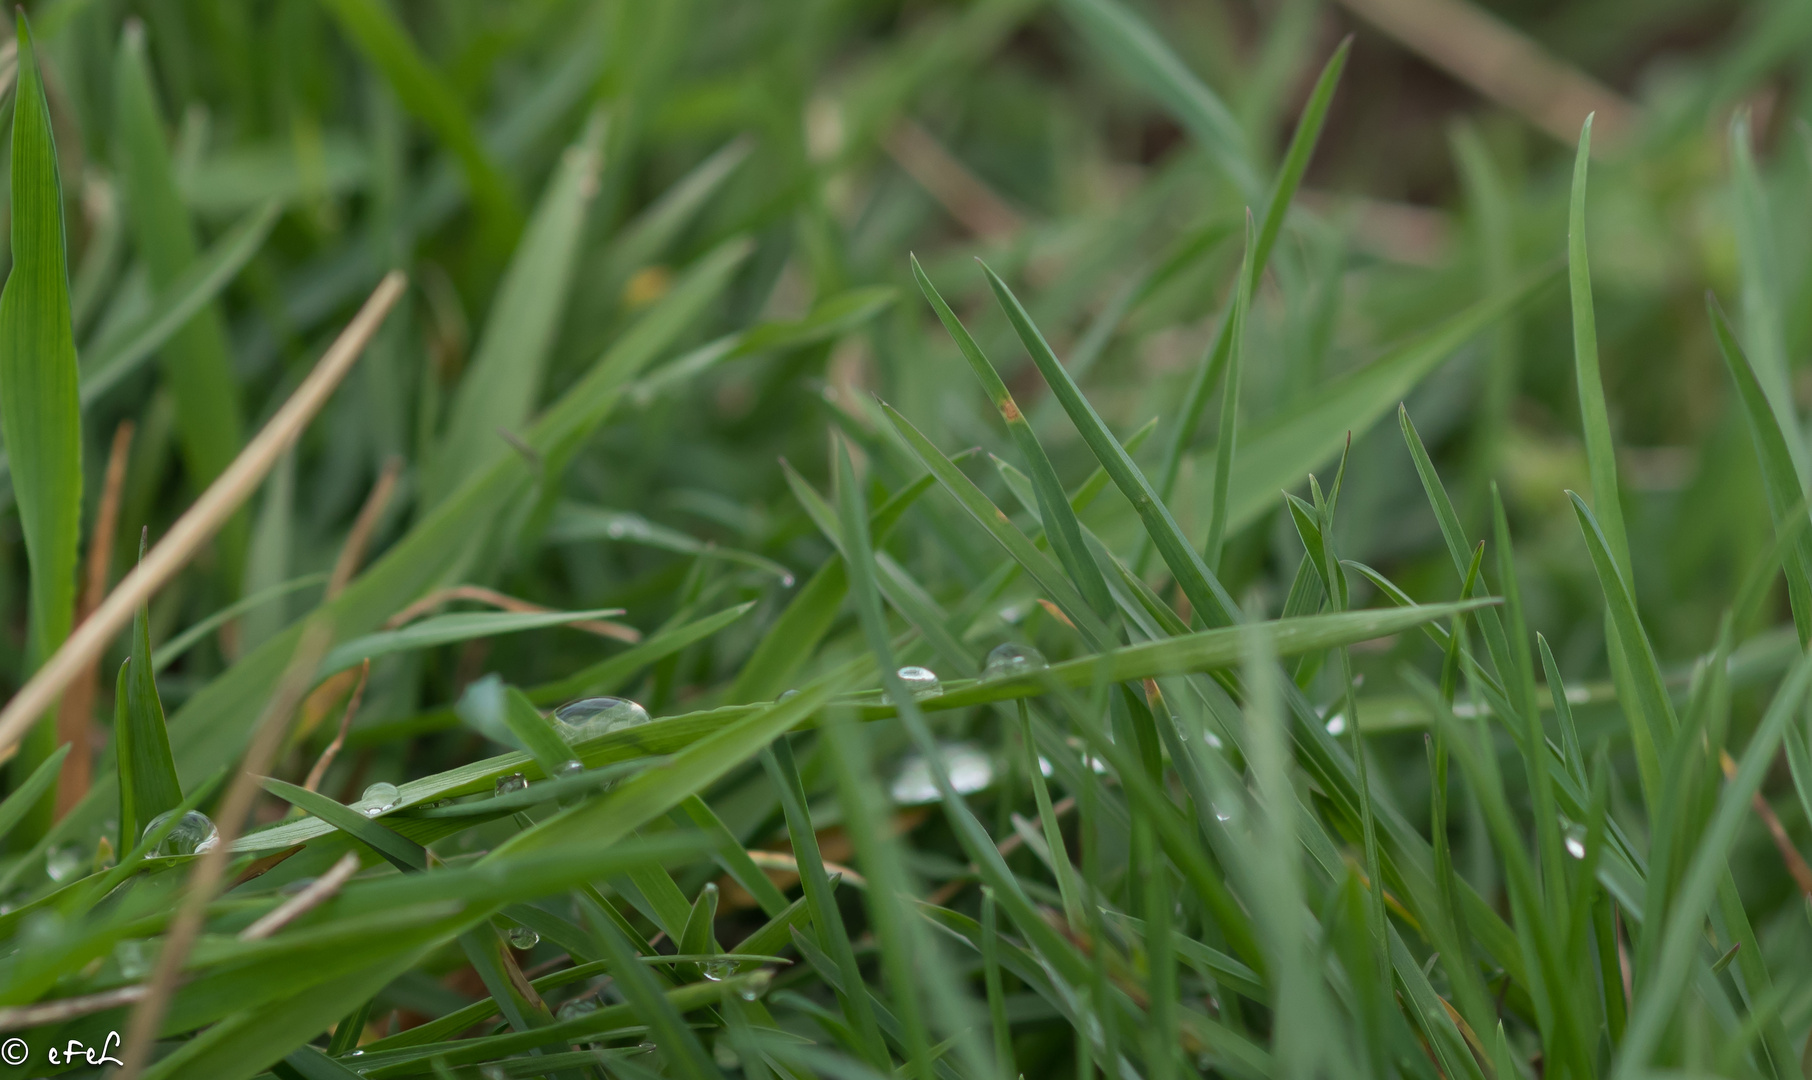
x=1212, y=740
x=513, y=782
x=1337, y=724
x=755, y=985
x=521, y=937
x=786, y=581
x=589, y=718
x=355, y=1052
x=616, y=530
x=65, y=863
x=379, y=797
x=788, y=695
x=193, y=835
x=494, y=1072
x=569, y=768
x=135, y=956
x=1044, y=767
x=968, y=765
x=719, y=970
x=647, y=1047
x=1221, y=815
x=921, y=682
x=577, y=1007
x=1575, y=839
x=1012, y=659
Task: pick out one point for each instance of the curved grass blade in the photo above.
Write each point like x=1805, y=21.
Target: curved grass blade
x=1229, y=428
x=447, y=629
x=40, y=416
x=1601, y=454
x=606, y=676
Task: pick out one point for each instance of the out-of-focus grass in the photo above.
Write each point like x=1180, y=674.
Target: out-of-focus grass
x=1317, y=746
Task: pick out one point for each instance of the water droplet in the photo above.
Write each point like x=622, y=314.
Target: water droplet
x=577, y=1007
x=968, y=765
x=66, y=863
x=521, y=937
x=1337, y=724
x=755, y=985
x=494, y=1072
x=647, y=1047
x=920, y=682
x=513, y=782
x=719, y=970
x=1012, y=659
x=192, y=835
x=1212, y=740
x=379, y=797
x=786, y=581
x=1221, y=815
x=135, y=956
x=788, y=695
x=589, y=718
x=1044, y=767
x=569, y=768
x=1576, y=841
x=616, y=530
x=355, y=1052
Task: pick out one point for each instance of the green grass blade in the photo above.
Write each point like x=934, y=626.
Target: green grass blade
x=447, y=629
x=1601, y=454
x=424, y=92
x=1136, y=51
x=197, y=366
x=1229, y=428
x=1780, y=475
x=404, y=854
x=1762, y=277
x=1060, y=523
x=1198, y=582
x=1277, y=206
x=503, y=381
x=607, y=676
x=148, y=783
x=40, y=417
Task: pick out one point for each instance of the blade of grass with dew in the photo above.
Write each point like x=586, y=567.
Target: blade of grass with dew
x=196, y=365
x=40, y=416
x=148, y=784
x=612, y=674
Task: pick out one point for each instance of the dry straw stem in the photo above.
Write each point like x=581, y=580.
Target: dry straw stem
x=951, y=183
x=316, y=774
x=218, y=503
x=1502, y=64
x=305, y=901
x=75, y=713
x=435, y=599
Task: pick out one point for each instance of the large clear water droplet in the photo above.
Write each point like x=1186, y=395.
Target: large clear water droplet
x=577, y=1007
x=589, y=718
x=512, y=782
x=1012, y=659
x=521, y=937
x=66, y=863
x=720, y=969
x=378, y=798
x=194, y=834
x=969, y=766
x=921, y=682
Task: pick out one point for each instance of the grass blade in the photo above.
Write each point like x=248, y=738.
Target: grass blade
x=40, y=417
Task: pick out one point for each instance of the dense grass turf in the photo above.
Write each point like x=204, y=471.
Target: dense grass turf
x=533, y=547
